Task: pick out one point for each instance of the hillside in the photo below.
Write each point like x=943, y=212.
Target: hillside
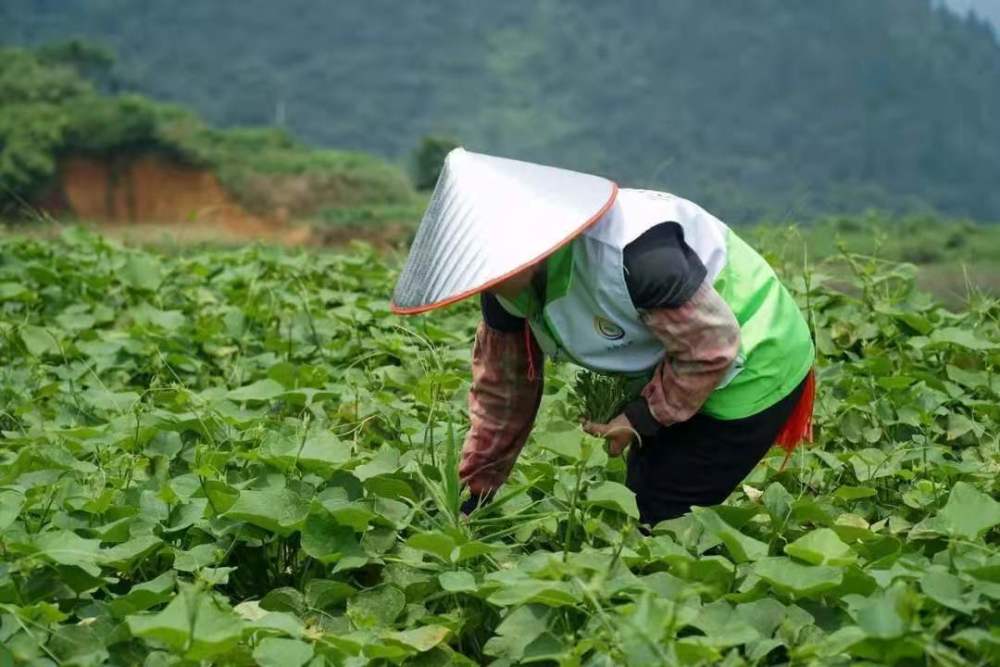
x=68, y=149
x=770, y=108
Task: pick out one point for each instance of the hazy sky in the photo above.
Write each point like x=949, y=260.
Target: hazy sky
x=989, y=9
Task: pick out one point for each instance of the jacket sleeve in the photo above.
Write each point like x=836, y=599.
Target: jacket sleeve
x=669, y=286
x=503, y=402
x=702, y=339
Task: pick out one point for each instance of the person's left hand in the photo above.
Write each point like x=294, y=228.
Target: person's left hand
x=618, y=432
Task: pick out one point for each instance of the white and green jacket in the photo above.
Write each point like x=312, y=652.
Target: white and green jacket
x=589, y=318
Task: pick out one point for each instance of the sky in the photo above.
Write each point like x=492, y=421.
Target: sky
x=988, y=9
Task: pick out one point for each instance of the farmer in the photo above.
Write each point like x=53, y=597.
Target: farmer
x=622, y=282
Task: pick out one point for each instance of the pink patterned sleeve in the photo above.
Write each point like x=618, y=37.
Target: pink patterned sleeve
x=503, y=402
x=702, y=339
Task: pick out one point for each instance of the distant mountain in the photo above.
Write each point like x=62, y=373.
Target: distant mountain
x=985, y=9
x=771, y=108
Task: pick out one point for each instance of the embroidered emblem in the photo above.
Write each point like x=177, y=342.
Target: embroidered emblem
x=608, y=329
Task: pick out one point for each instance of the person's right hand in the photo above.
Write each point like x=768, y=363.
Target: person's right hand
x=618, y=433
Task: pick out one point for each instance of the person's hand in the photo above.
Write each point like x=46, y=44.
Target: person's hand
x=618, y=432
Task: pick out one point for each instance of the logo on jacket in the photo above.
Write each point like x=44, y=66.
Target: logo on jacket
x=608, y=329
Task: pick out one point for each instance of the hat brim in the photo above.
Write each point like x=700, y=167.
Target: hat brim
x=416, y=310
x=490, y=218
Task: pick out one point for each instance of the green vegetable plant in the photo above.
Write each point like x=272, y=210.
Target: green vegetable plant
x=603, y=396
x=242, y=457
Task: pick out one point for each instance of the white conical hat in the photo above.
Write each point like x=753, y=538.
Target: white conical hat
x=490, y=217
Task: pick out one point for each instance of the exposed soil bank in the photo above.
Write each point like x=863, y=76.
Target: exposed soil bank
x=151, y=188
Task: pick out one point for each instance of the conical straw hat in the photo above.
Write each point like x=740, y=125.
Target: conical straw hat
x=490, y=217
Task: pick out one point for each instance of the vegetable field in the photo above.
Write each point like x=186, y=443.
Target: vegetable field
x=240, y=457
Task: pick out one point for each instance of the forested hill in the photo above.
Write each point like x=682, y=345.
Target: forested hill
x=767, y=108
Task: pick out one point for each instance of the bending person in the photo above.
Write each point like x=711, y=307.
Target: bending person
x=623, y=281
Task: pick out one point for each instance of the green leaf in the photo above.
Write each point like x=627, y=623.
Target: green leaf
x=122, y=556
x=778, y=502
x=517, y=630
x=275, y=622
x=327, y=541
x=967, y=514
x=949, y=591
x=377, y=607
x=215, y=576
x=324, y=593
x=547, y=648
x=110, y=401
x=643, y=629
x=67, y=548
x=723, y=627
x=354, y=514
x=615, y=496
x=800, y=580
x=742, y=547
x=198, y=557
x=281, y=511
x=959, y=425
x=261, y=390
x=962, y=338
x=11, y=504
x=221, y=496
x=566, y=443
x=142, y=272
x=284, y=599
x=280, y=652
x=384, y=462
x=195, y=624
x=471, y=550
x=145, y=595
x=324, y=449
x=982, y=641
x=74, y=320
x=421, y=639
x=967, y=378
x=821, y=547
x=854, y=492
x=549, y=593
x=11, y=291
x=38, y=340
x=457, y=582
x=167, y=320
x=436, y=543
x=765, y=615
x=839, y=642
x=886, y=616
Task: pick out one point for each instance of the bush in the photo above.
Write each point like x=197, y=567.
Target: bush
x=956, y=240
x=428, y=160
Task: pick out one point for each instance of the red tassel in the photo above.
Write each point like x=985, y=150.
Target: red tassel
x=532, y=371
x=798, y=427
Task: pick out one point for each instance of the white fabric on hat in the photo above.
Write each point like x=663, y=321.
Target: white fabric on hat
x=490, y=217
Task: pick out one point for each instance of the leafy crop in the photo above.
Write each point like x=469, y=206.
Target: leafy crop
x=602, y=397
x=241, y=457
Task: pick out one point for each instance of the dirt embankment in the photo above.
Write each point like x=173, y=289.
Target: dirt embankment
x=150, y=189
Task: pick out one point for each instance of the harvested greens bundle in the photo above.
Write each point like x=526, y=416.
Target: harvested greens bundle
x=602, y=397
